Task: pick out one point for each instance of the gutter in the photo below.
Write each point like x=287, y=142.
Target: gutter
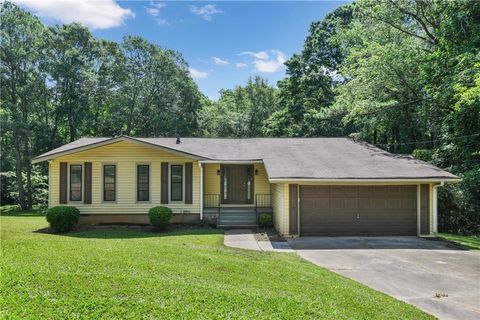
x=230, y=161
x=367, y=180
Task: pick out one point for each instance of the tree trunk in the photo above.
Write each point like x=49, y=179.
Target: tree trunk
x=18, y=173
x=29, y=176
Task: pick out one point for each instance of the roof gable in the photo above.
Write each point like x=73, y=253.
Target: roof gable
x=84, y=144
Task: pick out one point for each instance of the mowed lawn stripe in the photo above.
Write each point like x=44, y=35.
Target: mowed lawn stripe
x=132, y=274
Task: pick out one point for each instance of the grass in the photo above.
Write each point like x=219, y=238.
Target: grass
x=467, y=242
x=14, y=210
x=132, y=274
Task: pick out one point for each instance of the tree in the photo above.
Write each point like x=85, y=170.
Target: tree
x=21, y=48
x=240, y=112
x=312, y=78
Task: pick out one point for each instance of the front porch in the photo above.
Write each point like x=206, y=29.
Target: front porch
x=231, y=215
x=235, y=193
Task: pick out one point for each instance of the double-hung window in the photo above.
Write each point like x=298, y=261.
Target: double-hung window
x=143, y=182
x=109, y=177
x=75, y=182
x=176, y=182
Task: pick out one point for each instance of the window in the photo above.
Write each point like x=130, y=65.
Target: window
x=143, y=182
x=76, y=182
x=176, y=182
x=109, y=176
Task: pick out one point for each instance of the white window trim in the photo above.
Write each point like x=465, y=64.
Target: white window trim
x=116, y=182
x=170, y=183
x=81, y=164
x=149, y=182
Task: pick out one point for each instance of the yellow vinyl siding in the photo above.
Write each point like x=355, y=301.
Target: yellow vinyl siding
x=126, y=156
x=280, y=206
x=261, y=183
x=212, y=180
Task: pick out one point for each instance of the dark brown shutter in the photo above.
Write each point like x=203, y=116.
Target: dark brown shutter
x=188, y=182
x=164, y=183
x=293, y=208
x=87, y=195
x=63, y=182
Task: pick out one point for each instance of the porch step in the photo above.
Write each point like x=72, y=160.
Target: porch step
x=237, y=218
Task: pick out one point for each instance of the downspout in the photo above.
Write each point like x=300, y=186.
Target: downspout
x=201, y=191
x=49, y=182
x=435, y=206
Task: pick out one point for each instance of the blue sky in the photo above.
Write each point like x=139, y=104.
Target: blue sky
x=223, y=42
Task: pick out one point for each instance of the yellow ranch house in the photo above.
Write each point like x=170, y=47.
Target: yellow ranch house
x=311, y=186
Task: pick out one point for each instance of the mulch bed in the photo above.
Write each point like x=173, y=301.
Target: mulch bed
x=268, y=235
x=145, y=228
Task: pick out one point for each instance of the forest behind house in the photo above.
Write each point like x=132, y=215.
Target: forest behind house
x=402, y=75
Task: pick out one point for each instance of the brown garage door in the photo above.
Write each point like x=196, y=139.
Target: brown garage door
x=358, y=210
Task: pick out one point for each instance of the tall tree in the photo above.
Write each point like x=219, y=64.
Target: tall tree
x=312, y=76
x=73, y=75
x=21, y=49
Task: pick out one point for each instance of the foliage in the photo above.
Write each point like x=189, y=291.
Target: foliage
x=9, y=191
x=160, y=216
x=63, y=218
x=240, y=112
x=265, y=220
x=459, y=205
x=312, y=78
x=169, y=276
x=7, y=188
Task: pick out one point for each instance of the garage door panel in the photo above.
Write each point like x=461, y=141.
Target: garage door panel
x=358, y=210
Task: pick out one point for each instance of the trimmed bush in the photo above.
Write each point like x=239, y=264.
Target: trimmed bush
x=63, y=218
x=160, y=216
x=265, y=220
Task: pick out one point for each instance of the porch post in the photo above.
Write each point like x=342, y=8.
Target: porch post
x=435, y=206
x=201, y=190
x=419, y=208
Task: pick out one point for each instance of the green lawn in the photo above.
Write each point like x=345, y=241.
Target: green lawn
x=131, y=274
x=468, y=242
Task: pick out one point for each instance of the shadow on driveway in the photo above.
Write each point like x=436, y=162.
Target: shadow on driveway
x=326, y=243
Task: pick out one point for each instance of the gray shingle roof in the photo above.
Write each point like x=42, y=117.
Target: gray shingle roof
x=296, y=158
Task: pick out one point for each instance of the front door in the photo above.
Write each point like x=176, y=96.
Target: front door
x=237, y=184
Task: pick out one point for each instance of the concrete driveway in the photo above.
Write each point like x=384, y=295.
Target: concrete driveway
x=438, y=279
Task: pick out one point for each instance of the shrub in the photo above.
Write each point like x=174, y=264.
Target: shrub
x=265, y=220
x=63, y=218
x=160, y=216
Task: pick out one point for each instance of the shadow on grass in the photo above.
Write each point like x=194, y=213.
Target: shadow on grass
x=15, y=211
x=131, y=232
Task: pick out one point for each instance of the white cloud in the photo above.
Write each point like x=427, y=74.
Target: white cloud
x=240, y=65
x=219, y=61
x=93, y=14
x=206, y=12
x=153, y=9
x=197, y=74
x=262, y=55
x=263, y=62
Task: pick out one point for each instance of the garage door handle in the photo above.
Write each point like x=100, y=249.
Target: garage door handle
x=358, y=215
